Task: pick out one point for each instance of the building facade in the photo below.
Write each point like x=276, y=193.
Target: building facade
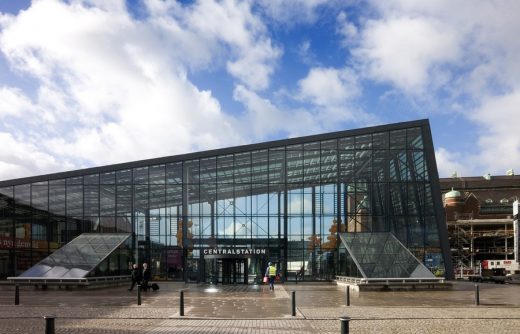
x=479, y=214
x=222, y=215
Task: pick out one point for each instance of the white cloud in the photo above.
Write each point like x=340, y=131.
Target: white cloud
x=499, y=143
x=347, y=29
x=19, y=157
x=449, y=162
x=329, y=86
x=406, y=51
x=14, y=103
x=262, y=117
x=290, y=12
x=210, y=30
x=459, y=55
x=111, y=88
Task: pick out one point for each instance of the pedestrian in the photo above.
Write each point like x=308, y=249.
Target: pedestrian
x=145, y=277
x=136, y=276
x=301, y=273
x=270, y=273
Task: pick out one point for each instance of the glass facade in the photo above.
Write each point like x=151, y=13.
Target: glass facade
x=222, y=215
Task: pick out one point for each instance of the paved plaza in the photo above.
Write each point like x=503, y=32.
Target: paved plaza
x=255, y=309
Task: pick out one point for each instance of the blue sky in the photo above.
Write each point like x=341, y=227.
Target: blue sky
x=86, y=83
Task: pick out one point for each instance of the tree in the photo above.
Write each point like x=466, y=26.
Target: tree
x=189, y=236
x=332, y=238
x=314, y=242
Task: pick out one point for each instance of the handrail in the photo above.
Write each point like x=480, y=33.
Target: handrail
x=390, y=280
x=64, y=281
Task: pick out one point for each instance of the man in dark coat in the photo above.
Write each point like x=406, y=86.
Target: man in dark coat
x=136, y=276
x=146, y=277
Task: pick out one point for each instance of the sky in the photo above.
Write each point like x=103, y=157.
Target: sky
x=87, y=83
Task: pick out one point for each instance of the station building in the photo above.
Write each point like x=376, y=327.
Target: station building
x=222, y=215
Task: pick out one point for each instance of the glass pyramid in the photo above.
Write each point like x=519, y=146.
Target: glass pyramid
x=381, y=255
x=77, y=258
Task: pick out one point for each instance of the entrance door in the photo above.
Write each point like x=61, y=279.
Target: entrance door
x=232, y=271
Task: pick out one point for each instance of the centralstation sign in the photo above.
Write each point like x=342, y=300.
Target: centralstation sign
x=232, y=252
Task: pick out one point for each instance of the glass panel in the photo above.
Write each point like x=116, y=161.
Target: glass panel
x=124, y=176
x=381, y=255
x=398, y=139
x=276, y=166
x=91, y=179
x=225, y=169
x=107, y=198
x=108, y=178
x=40, y=197
x=294, y=167
x=346, y=143
x=380, y=140
x=91, y=200
x=75, y=201
x=174, y=173
x=141, y=198
x=242, y=170
x=364, y=142
x=22, y=194
x=157, y=174
x=75, y=180
x=329, y=144
x=414, y=138
x=78, y=258
x=329, y=166
x=141, y=175
x=311, y=167
x=124, y=200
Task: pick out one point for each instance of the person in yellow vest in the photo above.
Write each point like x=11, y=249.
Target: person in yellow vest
x=270, y=272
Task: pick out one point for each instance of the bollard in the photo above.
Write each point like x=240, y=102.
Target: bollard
x=49, y=323
x=344, y=325
x=138, y=294
x=181, y=306
x=17, y=295
x=347, y=296
x=293, y=303
x=477, y=295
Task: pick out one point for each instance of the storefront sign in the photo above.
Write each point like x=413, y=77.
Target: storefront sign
x=7, y=242
x=233, y=252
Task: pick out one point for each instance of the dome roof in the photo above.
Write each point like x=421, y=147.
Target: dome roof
x=452, y=194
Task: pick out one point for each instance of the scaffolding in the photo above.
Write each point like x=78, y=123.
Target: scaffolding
x=475, y=240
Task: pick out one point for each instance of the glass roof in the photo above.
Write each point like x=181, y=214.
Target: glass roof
x=77, y=258
x=381, y=255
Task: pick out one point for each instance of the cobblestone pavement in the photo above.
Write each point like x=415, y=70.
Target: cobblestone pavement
x=255, y=309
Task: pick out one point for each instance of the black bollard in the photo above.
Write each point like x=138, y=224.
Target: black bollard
x=344, y=325
x=347, y=296
x=17, y=295
x=138, y=294
x=293, y=303
x=49, y=323
x=181, y=306
x=477, y=295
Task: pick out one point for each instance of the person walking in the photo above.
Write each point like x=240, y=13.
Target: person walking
x=145, y=277
x=136, y=276
x=301, y=273
x=270, y=272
